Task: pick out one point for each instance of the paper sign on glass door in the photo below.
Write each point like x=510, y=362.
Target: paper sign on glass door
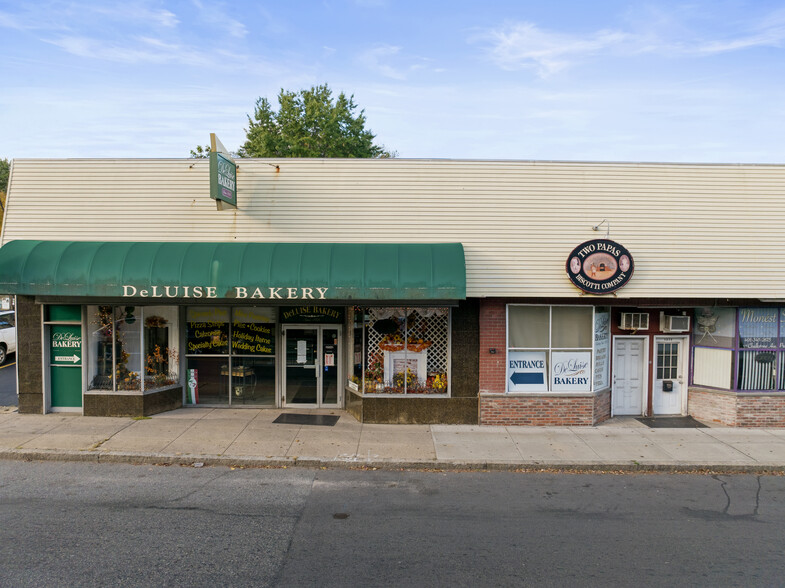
x=301, y=346
x=329, y=360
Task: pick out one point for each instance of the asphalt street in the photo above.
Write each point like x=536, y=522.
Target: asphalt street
x=80, y=524
x=8, y=382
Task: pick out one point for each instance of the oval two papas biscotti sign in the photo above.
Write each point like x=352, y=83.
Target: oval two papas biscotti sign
x=600, y=266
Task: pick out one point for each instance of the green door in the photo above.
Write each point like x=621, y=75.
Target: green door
x=65, y=365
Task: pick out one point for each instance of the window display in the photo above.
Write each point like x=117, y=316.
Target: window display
x=230, y=355
x=744, y=345
x=759, y=341
x=132, y=348
x=401, y=350
x=160, y=336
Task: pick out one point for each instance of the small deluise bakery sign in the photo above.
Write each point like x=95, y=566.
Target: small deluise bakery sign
x=600, y=266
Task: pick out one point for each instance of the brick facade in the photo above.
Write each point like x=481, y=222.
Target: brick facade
x=741, y=409
x=29, y=326
x=544, y=410
x=498, y=408
x=464, y=362
x=493, y=345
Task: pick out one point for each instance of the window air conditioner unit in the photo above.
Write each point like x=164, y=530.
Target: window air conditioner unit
x=676, y=324
x=634, y=321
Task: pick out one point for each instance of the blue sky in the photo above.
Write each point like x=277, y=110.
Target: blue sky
x=701, y=81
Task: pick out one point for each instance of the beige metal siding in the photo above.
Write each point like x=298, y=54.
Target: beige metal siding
x=708, y=231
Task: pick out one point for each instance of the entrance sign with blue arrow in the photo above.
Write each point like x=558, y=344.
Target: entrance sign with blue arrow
x=527, y=371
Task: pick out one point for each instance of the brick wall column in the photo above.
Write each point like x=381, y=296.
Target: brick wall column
x=465, y=364
x=29, y=355
x=493, y=335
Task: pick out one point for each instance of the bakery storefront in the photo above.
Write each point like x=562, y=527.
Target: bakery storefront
x=138, y=328
x=401, y=291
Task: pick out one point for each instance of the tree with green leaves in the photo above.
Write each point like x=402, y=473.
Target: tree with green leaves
x=310, y=123
x=5, y=169
x=200, y=152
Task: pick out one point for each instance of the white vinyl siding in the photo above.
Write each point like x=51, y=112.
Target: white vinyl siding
x=713, y=367
x=694, y=230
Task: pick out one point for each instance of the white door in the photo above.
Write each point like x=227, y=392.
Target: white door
x=629, y=375
x=669, y=392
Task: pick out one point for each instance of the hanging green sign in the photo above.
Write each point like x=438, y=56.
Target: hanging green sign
x=223, y=175
x=223, y=179
x=65, y=345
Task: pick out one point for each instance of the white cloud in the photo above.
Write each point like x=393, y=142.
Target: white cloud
x=57, y=15
x=28, y=20
x=10, y=21
x=136, y=50
x=524, y=45
x=126, y=11
x=389, y=62
x=375, y=60
x=218, y=15
x=769, y=35
x=151, y=50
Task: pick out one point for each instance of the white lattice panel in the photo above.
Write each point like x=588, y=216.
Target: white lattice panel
x=433, y=328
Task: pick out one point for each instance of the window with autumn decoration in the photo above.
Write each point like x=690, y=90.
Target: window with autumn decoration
x=132, y=348
x=401, y=350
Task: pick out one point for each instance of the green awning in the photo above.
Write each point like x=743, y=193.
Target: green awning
x=250, y=271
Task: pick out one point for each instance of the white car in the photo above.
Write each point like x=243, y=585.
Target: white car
x=7, y=334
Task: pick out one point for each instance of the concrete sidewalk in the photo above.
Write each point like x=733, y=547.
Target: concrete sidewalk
x=248, y=437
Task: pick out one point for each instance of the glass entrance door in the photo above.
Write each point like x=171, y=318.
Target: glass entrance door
x=311, y=366
x=329, y=371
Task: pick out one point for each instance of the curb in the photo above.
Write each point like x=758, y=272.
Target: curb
x=140, y=458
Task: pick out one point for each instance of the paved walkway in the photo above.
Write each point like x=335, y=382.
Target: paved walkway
x=249, y=437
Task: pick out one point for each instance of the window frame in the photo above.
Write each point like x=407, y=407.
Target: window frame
x=776, y=349
x=91, y=340
x=549, y=352
x=736, y=349
x=363, y=311
x=230, y=354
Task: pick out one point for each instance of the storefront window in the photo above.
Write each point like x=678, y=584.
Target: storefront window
x=529, y=327
x=207, y=331
x=230, y=361
x=744, y=346
x=132, y=348
x=100, y=347
x=549, y=349
x=160, y=335
x=401, y=350
x=253, y=356
x=714, y=339
x=758, y=349
x=128, y=348
x=207, y=380
x=602, y=348
x=207, y=350
x=358, y=346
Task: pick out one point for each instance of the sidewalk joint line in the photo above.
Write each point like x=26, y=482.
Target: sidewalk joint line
x=98, y=445
x=582, y=440
x=188, y=428
x=238, y=434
